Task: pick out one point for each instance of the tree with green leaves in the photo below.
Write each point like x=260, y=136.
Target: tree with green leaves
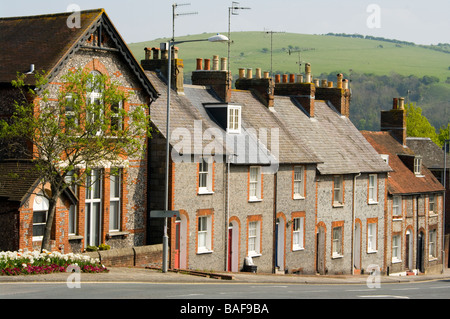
x=417, y=125
x=70, y=130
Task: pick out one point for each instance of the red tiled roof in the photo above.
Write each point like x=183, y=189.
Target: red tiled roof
x=402, y=179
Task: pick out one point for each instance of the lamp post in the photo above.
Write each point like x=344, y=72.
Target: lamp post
x=169, y=45
x=446, y=142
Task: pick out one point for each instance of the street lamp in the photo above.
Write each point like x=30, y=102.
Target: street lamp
x=169, y=45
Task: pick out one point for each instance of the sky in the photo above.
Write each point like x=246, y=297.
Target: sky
x=419, y=21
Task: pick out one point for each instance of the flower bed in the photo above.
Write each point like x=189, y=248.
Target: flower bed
x=33, y=263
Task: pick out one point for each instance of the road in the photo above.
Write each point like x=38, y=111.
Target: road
x=439, y=289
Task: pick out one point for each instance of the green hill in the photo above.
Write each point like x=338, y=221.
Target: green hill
x=380, y=69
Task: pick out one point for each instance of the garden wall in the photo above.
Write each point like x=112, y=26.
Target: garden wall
x=141, y=256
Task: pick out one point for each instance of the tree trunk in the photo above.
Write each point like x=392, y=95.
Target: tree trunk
x=48, y=226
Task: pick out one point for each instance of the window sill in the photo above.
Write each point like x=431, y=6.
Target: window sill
x=204, y=252
x=337, y=256
x=298, y=197
x=372, y=251
x=432, y=258
x=298, y=249
x=75, y=237
x=371, y=202
x=116, y=234
x=396, y=219
x=254, y=254
x=205, y=193
x=396, y=261
x=254, y=200
x=338, y=205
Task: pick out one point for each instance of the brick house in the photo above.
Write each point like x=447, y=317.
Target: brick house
x=114, y=209
x=414, y=202
x=302, y=192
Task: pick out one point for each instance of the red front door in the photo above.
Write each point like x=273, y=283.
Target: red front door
x=177, y=245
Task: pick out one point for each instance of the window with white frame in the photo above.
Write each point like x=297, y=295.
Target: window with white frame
x=396, y=206
x=418, y=165
x=40, y=214
x=255, y=183
x=432, y=204
x=205, y=175
x=396, y=248
x=115, y=181
x=299, y=186
x=337, y=241
x=371, y=237
x=373, y=189
x=73, y=208
x=234, y=119
x=432, y=244
x=254, y=238
x=94, y=113
x=298, y=233
x=93, y=207
x=116, y=117
x=71, y=120
x=338, y=190
x=204, y=233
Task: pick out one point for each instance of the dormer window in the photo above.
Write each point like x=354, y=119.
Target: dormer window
x=418, y=165
x=234, y=119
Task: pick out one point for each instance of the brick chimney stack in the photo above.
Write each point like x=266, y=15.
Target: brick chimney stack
x=153, y=62
x=339, y=96
x=394, y=121
x=262, y=87
x=219, y=80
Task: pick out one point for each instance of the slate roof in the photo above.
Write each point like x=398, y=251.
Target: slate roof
x=332, y=137
x=46, y=41
x=402, y=179
x=17, y=180
x=432, y=155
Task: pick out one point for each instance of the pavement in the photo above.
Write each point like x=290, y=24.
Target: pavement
x=146, y=275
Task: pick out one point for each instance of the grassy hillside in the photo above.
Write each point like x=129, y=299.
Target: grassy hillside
x=325, y=53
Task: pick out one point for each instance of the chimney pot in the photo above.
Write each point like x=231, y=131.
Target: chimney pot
x=277, y=78
x=345, y=84
x=147, y=53
x=340, y=76
x=258, y=73
x=199, y=64
x=216, y=63
x=395, y=104
x=242, y=73
x=207, y=64
x=223, y=64
x=299, y=78
x=291, y=78
x=324, y=83
x=330, y=84
x=249, y=73
x=401, y=103
x=266, y=75
x=285, y=78
x=316, y=82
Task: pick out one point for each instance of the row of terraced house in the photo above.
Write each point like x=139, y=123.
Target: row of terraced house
x=272, y=169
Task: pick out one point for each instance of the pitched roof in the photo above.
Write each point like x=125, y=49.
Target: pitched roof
x=402, y=179
x=17, y=180
x=46, y=41
x=432, y=155
x=332, y=137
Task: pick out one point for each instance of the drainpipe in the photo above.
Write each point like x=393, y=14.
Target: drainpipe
x=274, y=239
x=353, y=222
